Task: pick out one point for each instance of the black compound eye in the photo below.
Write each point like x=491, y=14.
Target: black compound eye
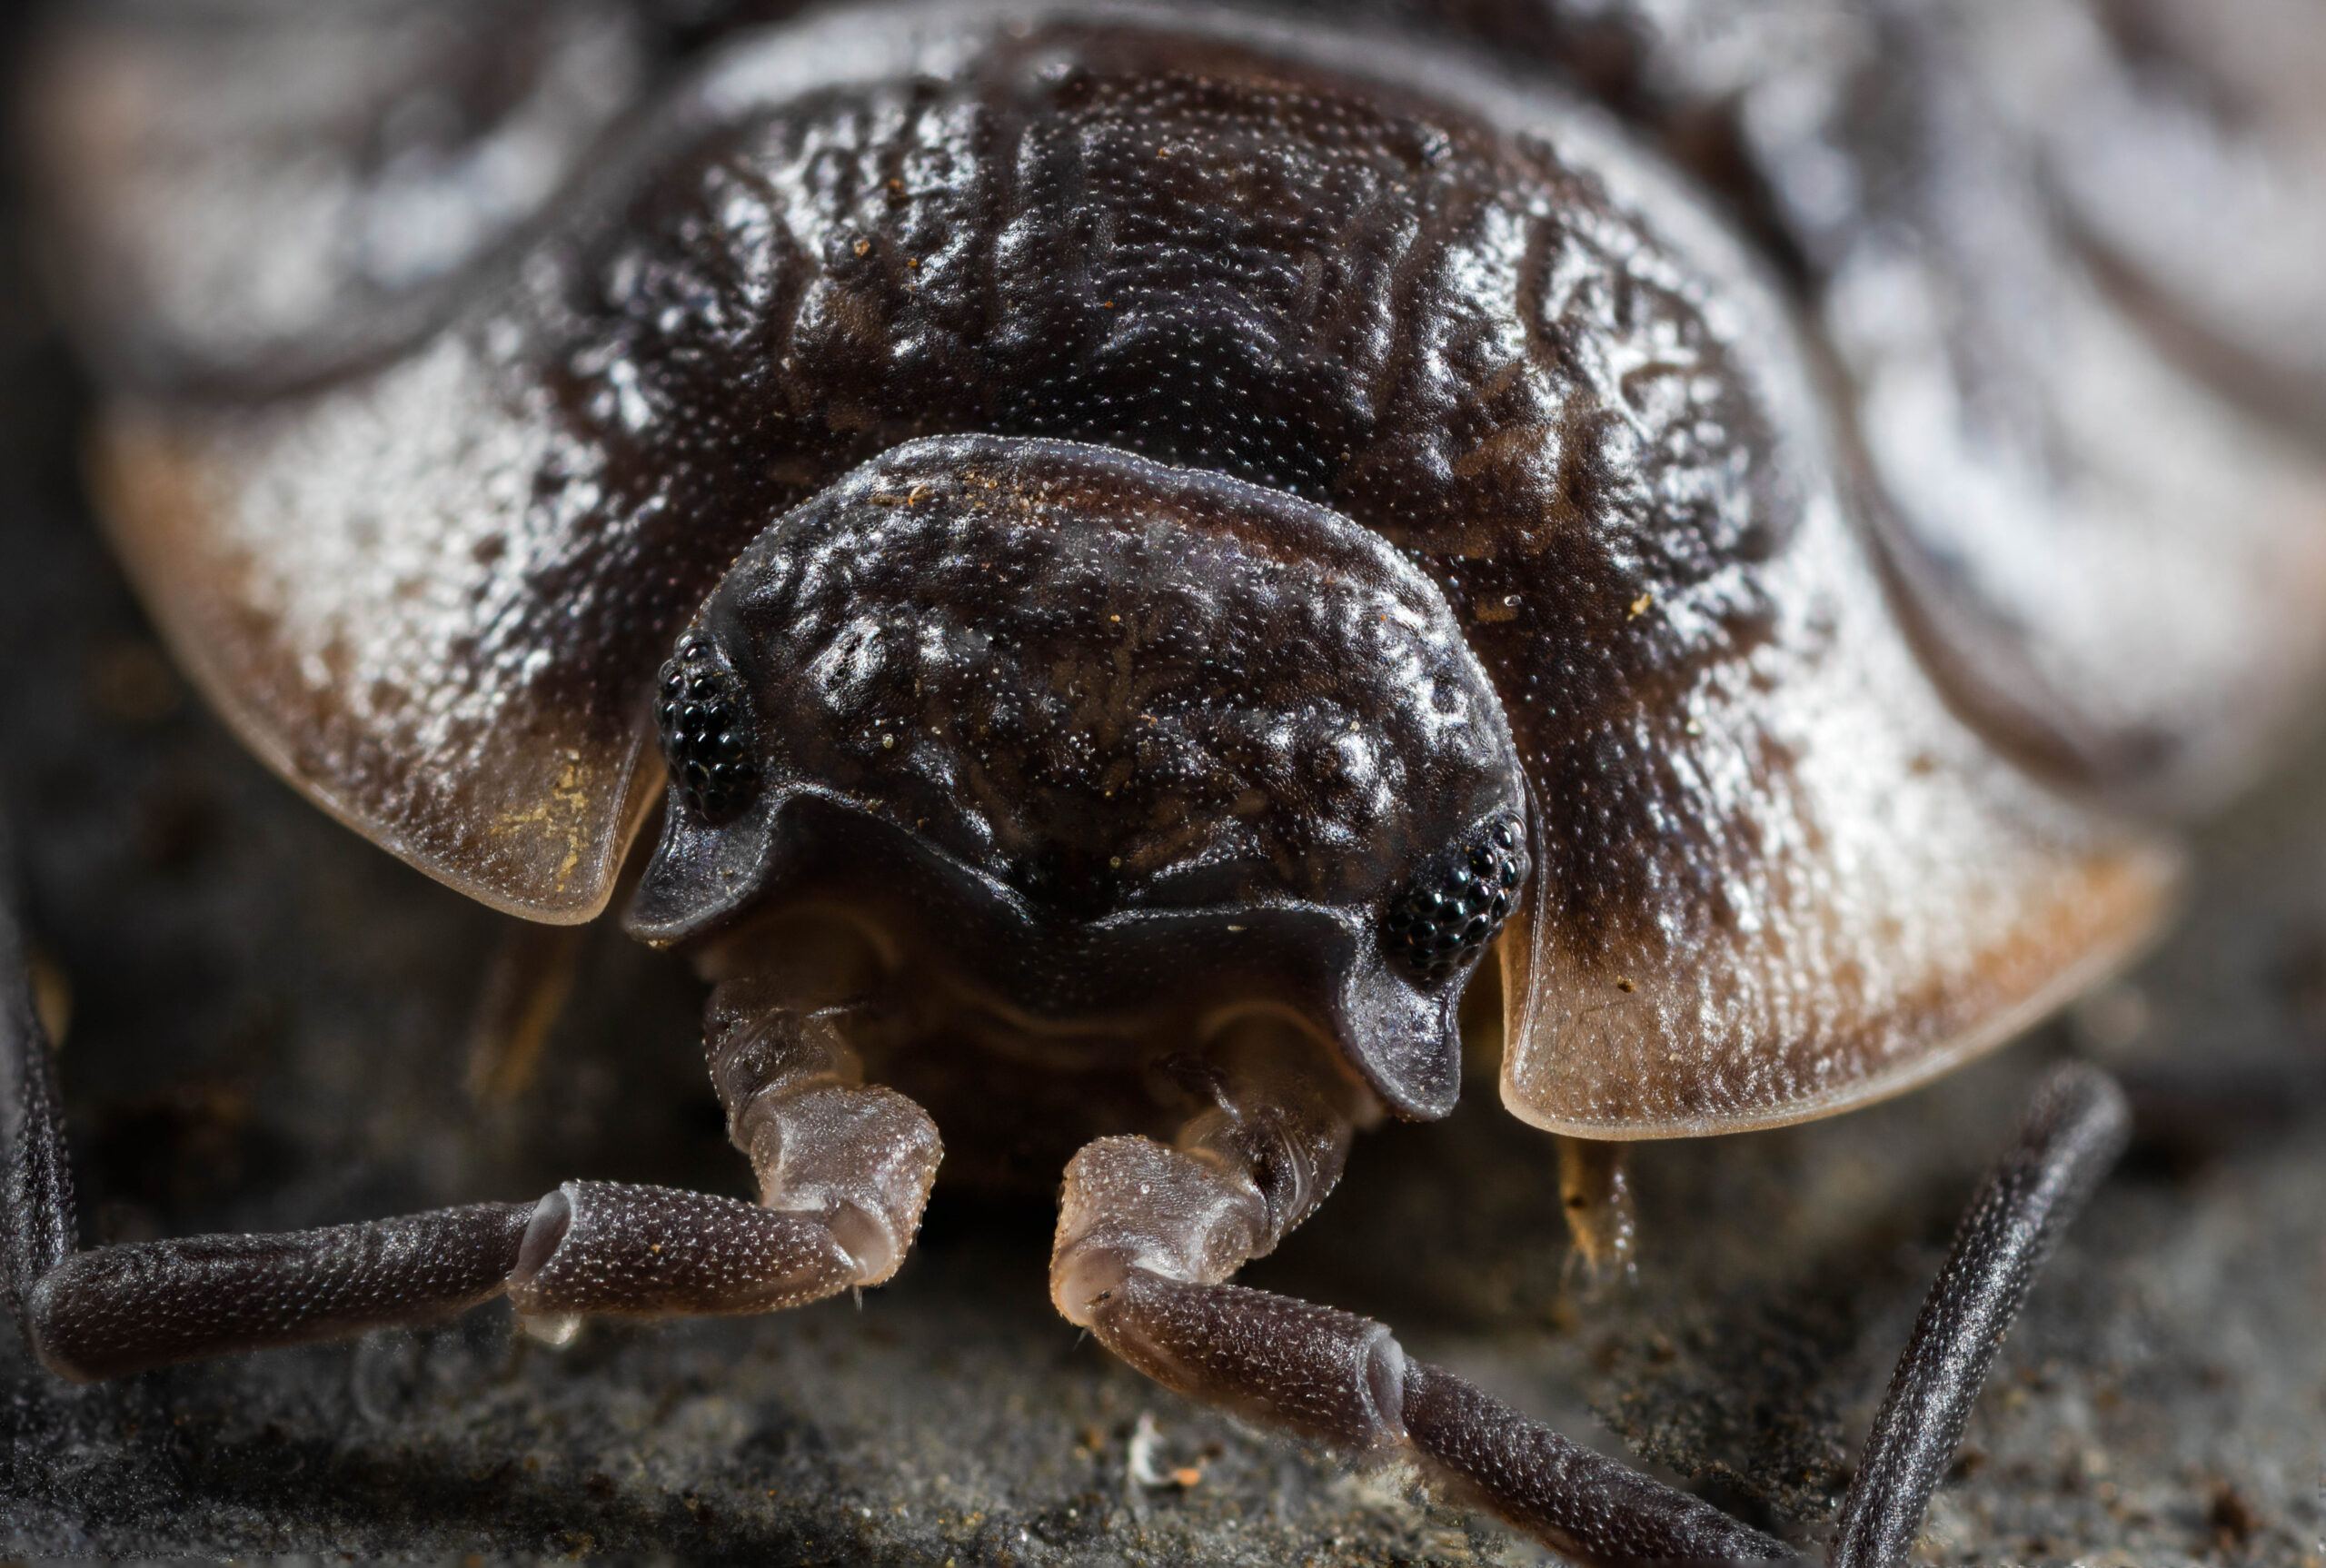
x=705, y=724
x=1455, y=904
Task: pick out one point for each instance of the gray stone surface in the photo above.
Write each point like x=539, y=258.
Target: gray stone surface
x=268, y=1026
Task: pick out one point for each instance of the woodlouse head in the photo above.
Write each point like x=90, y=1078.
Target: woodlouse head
x=1100, y=738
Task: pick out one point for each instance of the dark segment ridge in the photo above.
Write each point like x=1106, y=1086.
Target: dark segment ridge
x=704, y=719
x=1450, y=911
x=1218, y=258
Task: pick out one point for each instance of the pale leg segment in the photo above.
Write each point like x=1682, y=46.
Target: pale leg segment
x=1148, y=1236
x=844, y=1170
x=1595, y=1192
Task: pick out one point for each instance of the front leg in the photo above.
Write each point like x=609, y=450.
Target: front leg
x=1148, y=1236
x=844, y=1171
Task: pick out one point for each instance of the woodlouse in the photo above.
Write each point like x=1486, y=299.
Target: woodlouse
x=1243, y=301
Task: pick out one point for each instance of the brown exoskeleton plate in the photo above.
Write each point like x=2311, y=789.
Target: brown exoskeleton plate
x=1259, y=324
x=435, y=596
